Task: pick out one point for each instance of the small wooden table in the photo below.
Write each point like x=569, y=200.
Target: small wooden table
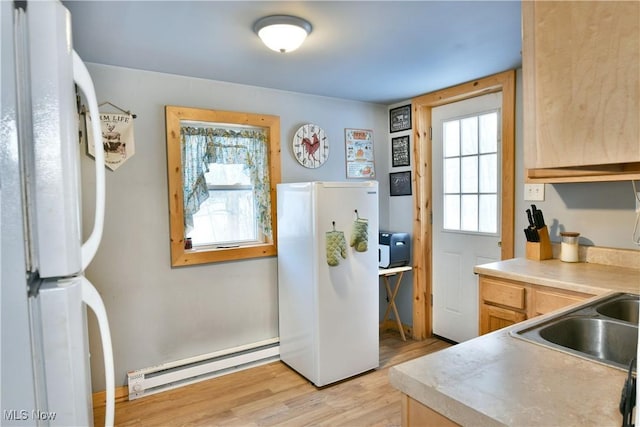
x=385, y=273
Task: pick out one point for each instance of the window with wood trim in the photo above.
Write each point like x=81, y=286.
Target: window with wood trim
x=223, y=170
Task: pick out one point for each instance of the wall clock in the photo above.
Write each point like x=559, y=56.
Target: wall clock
x=310, y=146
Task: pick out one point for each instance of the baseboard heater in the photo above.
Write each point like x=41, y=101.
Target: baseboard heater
x=147, y=381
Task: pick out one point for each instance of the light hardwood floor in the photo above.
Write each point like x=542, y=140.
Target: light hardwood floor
x=274, y=394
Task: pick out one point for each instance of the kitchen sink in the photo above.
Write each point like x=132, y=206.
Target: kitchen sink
x=623, y=309
x=605, y=330
x=601, y=338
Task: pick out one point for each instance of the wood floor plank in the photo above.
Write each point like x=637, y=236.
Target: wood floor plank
x=276, y=395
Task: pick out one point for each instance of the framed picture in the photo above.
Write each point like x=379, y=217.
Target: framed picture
x=400, y=183
x=359, y=153
x=400, y=151
x=400, y=118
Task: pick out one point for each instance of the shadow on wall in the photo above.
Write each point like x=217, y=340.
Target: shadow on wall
x=555, y=228
x=599, y=195
x=599, y=210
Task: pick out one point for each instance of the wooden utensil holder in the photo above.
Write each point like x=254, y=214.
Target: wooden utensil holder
x=541, y=250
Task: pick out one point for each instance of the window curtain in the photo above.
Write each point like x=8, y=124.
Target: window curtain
x=248, y=147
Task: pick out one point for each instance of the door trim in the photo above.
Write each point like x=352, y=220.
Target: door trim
x=504, y=82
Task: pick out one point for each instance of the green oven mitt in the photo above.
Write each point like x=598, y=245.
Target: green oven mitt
x=336, y=245
x=360, y=234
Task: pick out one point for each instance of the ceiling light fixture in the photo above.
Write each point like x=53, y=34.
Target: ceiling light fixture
x=282, y=33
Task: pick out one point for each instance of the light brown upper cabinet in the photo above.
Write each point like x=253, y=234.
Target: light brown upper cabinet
x=223, y=168
x=581, y=79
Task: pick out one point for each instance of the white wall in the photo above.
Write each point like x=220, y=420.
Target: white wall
x=158, y=313
x=603, y=213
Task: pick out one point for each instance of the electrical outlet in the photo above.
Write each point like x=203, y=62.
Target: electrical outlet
x=534, y=192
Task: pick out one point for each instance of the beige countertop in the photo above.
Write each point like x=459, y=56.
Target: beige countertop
x=497, y=379
x=584, y=277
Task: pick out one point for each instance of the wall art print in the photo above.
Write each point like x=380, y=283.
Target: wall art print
x=400, y=151
x=400, y=118
x=400, y=183
x=359, y=153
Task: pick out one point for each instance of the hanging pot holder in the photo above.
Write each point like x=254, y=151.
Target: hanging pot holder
x=360, y=234
x=336, y=246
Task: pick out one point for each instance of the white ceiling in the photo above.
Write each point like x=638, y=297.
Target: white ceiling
x=374, y=51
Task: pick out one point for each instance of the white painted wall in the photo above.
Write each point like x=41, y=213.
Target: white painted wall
x=603, y=213
x=158, y=313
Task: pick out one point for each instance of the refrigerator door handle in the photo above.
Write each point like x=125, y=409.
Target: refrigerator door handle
x=91, y=297
x=84, y=82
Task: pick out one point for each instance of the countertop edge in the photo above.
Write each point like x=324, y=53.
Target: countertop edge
x=589, y=278
x=445, y=405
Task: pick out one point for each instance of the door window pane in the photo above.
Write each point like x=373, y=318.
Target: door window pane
x=451, y=136
x=471, y=174
x=469, y=171
x=489, y=132
x=452, y=175
x=488, y=173
x=452, y=212
x=469, y=210
x=488, y=210
x=469, y=135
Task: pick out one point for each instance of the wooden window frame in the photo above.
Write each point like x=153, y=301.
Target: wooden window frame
x=179, y=255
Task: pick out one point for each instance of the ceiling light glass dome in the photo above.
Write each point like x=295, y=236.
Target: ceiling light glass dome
x=282, y=33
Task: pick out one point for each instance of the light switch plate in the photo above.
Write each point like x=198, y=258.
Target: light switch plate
x=534, y=192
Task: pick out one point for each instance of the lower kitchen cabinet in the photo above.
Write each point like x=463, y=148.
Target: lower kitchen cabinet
x=502, y=303
x=505, y=302
x=493, y=318
x=415, y=413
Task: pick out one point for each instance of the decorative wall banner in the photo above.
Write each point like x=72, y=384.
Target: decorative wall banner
x=117, y=138
x=359, y=147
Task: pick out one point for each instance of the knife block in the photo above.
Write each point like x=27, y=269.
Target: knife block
x=541, y=250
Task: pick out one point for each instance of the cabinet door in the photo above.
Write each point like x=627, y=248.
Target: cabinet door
x=494, y=318
x=581, y=83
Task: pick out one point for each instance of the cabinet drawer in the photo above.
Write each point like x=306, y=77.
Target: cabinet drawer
x=502, y=293
x=546, y=301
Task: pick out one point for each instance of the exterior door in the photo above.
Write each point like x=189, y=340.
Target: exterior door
x=466, y=209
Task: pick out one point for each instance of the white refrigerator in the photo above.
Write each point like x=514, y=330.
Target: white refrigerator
x=328, y=278
x=44, y=358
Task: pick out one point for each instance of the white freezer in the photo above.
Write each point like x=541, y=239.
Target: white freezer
x=328, y=314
